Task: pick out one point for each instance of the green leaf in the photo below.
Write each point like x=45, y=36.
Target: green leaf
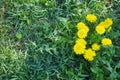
x=18, y=35
x=64, y=20
x=94, y=69
x=28, y=21
x=100, y=76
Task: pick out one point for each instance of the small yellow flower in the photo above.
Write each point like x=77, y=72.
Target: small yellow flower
x=91, y=18
x=89, y=55
x=81, y=41
x=81, y=25
x=100, y=30
x=106, y=41
x=82, y=33
x=103, y=24
x=108, y=22
x=96, y=47
x=79, y=48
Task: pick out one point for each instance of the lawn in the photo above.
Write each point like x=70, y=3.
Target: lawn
x=38, y=39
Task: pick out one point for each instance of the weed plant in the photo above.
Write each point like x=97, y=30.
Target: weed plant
x=37, y=39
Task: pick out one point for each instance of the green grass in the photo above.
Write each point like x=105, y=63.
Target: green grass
x=37, y=39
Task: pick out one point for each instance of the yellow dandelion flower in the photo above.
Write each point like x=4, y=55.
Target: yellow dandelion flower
x=91, y=18
x=89, y=55
x=82, y=33
x=108, y=22
x=106, y=41
x=79, y=48
x=100, y=30
x=103, y=24
x=96, y=47
x=81, y=25
x=81, y=41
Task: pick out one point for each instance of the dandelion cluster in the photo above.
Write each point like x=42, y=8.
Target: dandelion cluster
x=81, y=48
x=100, y=29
